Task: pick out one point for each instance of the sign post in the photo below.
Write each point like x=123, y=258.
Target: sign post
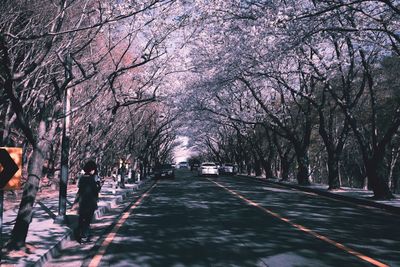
x=10, y=176
x=1, y=220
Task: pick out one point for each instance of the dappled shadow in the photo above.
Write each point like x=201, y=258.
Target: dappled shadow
x=369, y=231
x=43, y=232
x=191, y=222
x=46, y=233
x=72, y=253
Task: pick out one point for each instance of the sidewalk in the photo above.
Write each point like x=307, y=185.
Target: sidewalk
x=45, y=236
x=353, y=195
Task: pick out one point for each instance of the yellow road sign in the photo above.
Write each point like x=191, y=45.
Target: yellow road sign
x=10, y=167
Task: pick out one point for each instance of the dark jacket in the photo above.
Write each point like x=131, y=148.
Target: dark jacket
x=88, y=193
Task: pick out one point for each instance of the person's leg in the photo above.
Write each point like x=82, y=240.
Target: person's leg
x=85, y=230
x=87, y=221
x=81, y=226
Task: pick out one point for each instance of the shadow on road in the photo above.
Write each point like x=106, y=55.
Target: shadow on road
x=189, y=221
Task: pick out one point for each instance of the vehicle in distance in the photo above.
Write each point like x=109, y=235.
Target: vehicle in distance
x=183, y=165
x=227, y=168
x=208, y=168
x=164, y=171
x=195, y=166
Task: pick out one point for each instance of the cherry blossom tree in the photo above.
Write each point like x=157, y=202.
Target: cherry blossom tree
x=106, y=59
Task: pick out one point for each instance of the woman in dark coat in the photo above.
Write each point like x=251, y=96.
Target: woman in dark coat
x=89, y=188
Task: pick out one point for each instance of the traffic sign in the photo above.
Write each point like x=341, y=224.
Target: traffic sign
x=10, y=168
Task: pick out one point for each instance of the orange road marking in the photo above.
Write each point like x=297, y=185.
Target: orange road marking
x=110, y=237
x=330, y=198
x=305, y=229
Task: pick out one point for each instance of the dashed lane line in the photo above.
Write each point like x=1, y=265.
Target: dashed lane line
x=110, y=237
x=305, y=229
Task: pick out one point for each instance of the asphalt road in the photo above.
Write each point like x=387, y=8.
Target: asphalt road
x=232, y=221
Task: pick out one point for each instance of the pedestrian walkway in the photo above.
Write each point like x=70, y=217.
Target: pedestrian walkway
x=352, y=195
x=46, y=235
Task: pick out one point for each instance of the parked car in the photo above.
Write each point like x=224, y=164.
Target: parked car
x=164, y=171
x=183, y=165
x=208, y=168
x=227, y=168
x=195, y=167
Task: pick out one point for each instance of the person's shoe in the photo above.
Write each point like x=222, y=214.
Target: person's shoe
x=84, y=239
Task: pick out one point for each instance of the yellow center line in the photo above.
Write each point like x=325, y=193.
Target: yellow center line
x=110, y=237
x=305, y=229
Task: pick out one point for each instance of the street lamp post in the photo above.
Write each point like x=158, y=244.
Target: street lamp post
x=89, y=141
x=100, y=160
x=65, y=143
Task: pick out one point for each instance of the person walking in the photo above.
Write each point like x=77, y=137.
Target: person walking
x=89, y=187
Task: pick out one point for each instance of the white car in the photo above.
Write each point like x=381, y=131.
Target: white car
x=208, y=168
x=228, y=168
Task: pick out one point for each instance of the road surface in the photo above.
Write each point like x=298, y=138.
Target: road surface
x=233, y=221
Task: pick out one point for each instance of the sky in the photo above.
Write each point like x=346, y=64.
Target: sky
x=182, y=152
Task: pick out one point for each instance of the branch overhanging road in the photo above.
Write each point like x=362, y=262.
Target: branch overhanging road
x=229, y=221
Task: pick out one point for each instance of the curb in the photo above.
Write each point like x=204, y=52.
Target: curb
x=353, y=200
x=56, y=249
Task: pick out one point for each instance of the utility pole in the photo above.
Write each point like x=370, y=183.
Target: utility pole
x=89, y=142
x=65, y=143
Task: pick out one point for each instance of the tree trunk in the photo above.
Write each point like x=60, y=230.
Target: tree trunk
x=285, y=167
x=248, y=168
x=333, y=172
x=302, y=168
x=35, y=167
x=242, y=167
x=257, y=167
x=8, y=120
x=269, y=173
x=395, y=184
x=268, y=170
x=257, y=164
x=52, y=161
x=394, y=155
x=247, y=165
x=375, y=169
